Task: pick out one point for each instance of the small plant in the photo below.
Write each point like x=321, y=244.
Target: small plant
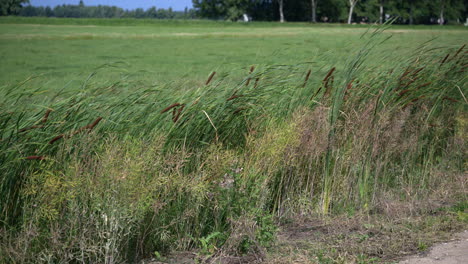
x=210, y=242
x=266, y=231
x=422, y=246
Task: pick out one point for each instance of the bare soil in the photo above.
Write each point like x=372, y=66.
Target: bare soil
x=453, y=252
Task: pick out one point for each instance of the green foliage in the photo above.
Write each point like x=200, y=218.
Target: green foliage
x=208, y=243
x=408, y=11
x=11, y=7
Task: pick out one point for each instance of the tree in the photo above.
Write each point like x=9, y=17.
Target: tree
x=11, y=7
x=352, y=4
x=441, y=14
x=236, y=8
x=227, y=9
x=213, y=9
x=381, y=9
x=281, y=12
x=447, y=10
x=314, y=10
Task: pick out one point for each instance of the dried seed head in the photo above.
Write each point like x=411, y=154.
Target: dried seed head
x=417, y=71
x=256, y=82
x=403, y=92
x=459, y=50
x=169, y=108
x=29, y=128
x=92, y=125
x=210, y=77
x=46, y=115
x=179, y=112
x=329, y=74
x=423, y=85
x=405, y=74
x=56, y=138
x=35, y=158
x=445, y=59
x=234, y=96
x=307, y=78
x=451, y=99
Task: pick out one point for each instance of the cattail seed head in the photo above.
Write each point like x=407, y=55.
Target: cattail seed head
x=307, y=78
x=329, y=74
x=423, y=85
x=234, y=96
x=169, y=108
x=46, y=115
x=445, y=59
x=450, y=99
x=417, y=71
x=252, y=68
x=210, y=78
x=403, y=92
x=179, y=112
x=459, y=50
x=92, y=125
x=256, y=82
x=405, y=74
x=29, y=128
x=56, y=138
x=35, y=158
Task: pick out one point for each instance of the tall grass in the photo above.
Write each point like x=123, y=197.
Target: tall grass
x=116, y=172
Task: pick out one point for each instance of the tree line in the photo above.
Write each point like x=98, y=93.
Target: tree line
x=349, y=11
x=21, y=8
x=335, y=11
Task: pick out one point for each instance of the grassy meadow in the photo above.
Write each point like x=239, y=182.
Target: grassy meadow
x=123, y=141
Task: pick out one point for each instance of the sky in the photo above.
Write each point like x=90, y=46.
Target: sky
x=177, y=5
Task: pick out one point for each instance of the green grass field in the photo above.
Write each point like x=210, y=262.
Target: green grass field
x=126, y=140
x=166, y=51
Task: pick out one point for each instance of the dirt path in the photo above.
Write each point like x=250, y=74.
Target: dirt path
x=453, y=252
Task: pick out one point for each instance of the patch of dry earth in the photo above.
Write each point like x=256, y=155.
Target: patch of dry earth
x=454, y=252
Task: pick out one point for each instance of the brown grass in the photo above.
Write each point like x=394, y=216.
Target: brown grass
x=399, y=225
